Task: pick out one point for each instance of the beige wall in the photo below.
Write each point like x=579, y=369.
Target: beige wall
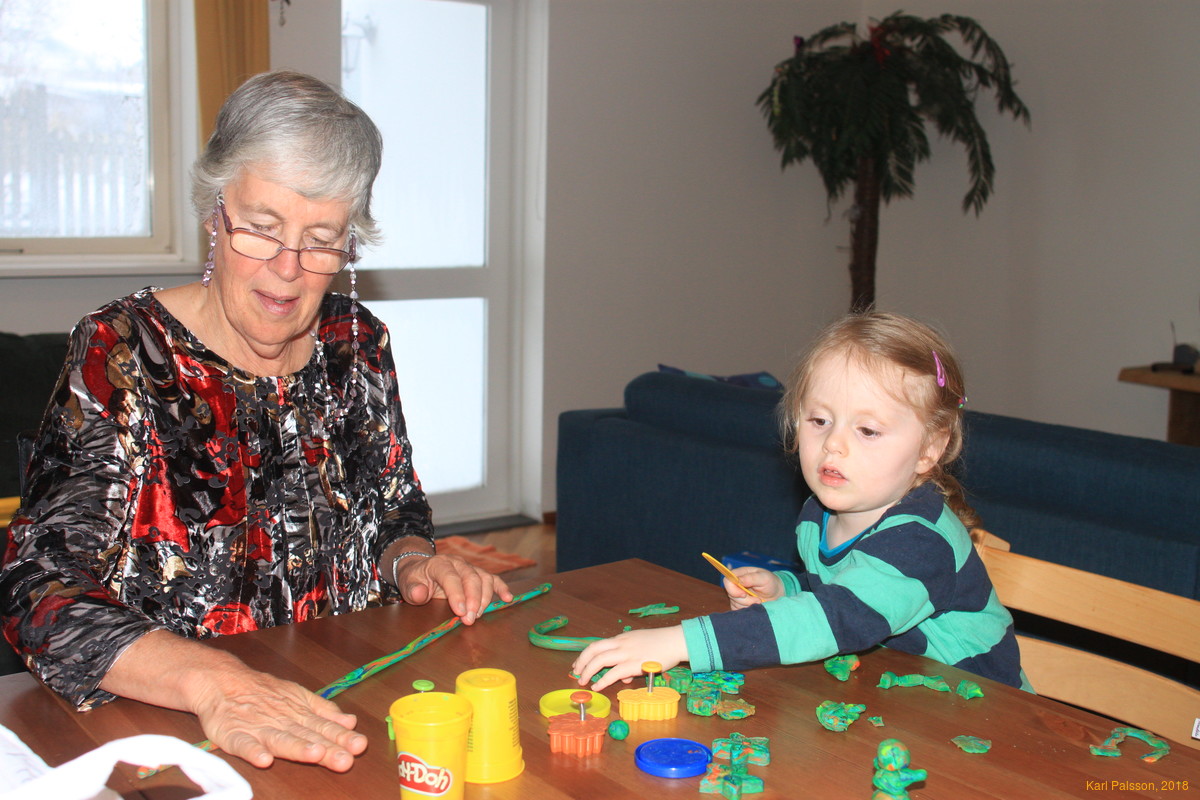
x=672, y=236
x=1088, y=250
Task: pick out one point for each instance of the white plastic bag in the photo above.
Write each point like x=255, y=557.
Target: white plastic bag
x=25, y=776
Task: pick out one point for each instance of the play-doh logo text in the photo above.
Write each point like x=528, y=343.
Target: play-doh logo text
x=417, y=776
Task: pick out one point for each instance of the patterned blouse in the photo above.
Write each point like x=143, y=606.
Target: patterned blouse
x=174, y=491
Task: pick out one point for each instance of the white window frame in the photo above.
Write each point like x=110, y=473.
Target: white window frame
x=174, y=244
x=509, y=281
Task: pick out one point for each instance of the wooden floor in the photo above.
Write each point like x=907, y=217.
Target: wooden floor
x=536, y=542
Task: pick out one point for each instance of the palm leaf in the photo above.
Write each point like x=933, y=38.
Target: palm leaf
x=842, y=98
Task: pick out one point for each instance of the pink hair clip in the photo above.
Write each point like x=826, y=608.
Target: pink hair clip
x=941, y=373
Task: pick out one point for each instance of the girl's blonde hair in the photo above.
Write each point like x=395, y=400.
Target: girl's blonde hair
x=938, y=396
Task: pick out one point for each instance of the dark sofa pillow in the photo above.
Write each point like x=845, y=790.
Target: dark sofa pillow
x=750, y=380
x=704, y=408
x=30, y=365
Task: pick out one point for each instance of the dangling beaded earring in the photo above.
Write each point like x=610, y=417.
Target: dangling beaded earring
x=354, y=368
x=206, y=278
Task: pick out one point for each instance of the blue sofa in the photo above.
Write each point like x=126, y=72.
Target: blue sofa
x=688, y=466
x=692, y=465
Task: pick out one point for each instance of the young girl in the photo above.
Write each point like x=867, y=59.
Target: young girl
x=874, y=411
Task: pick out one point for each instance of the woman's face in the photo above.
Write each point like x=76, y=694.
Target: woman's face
x=266, y=305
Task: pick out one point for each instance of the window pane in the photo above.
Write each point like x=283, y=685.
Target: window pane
x=74, y=141
x=419, y=68
x=438, y=345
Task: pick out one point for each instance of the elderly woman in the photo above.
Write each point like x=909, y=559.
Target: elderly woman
x=231, y=454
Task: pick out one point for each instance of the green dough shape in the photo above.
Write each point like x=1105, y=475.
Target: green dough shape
x=972, y=744
x=618, y=729
x=840, y=667
x=1110, y=747
x=539, y=636
x=835, y=716
x=654, y=609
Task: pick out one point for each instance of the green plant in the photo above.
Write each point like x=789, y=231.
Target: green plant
x=858, y=108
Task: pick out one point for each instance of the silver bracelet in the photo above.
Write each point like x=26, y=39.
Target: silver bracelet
x=396, y=560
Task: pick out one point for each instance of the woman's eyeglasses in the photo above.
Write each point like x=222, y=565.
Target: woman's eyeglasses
x=261, y=247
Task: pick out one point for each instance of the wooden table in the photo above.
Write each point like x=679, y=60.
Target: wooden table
x=1039, y=746
x=1183, y=410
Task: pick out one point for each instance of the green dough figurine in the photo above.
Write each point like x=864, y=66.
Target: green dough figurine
x=835, y=716
x=735, y=780
x=678, y=678
x=969, y=689
x=972, y=744
x=702, y=700
x=892, y=773
x=757, y=748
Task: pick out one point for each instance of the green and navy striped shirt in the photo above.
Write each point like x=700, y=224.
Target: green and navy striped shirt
x=912, y=582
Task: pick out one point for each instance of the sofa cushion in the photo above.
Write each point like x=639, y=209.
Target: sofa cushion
x=1134, y=554
x=749, y=380
x=30, y=365
x=1121, y=481
x=724, y=412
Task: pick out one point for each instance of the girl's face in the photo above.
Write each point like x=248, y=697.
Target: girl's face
x=861, y=445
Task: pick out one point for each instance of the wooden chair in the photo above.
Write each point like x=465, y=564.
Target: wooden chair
x=1165, y=622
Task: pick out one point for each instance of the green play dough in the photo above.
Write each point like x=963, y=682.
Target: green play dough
x=618, y=729
x=972, y=744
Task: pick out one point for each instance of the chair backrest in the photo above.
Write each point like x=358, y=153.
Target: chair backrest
x=1165, y=622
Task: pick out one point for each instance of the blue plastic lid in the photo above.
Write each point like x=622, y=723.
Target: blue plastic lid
x=672, y=758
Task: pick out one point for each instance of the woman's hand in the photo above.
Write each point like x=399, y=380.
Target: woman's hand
x=762, y=582
x=246, y=713
x=625, y=653
x=467, y=588
x=259, y=718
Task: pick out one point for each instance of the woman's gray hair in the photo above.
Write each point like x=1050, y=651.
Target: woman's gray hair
x=300, y=132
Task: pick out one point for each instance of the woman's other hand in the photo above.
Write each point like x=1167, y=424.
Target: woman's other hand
x=259, y=718
x=762, y=582
x=625, y=653
x=467, y=588
x=246, y=713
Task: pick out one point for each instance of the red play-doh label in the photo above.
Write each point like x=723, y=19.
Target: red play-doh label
x=417, y=776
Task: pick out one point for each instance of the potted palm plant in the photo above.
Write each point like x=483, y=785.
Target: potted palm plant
x=858, y=107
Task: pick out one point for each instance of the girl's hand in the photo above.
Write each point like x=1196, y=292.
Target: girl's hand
x=625, y=653
x=762, y=582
